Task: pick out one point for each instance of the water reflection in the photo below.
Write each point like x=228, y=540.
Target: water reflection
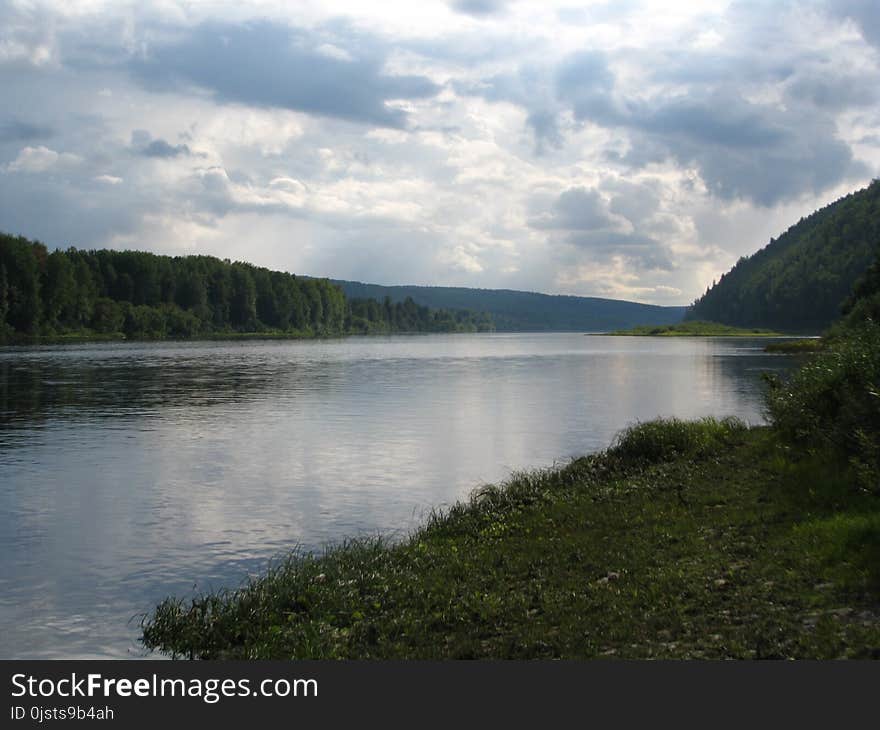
x=128, y=472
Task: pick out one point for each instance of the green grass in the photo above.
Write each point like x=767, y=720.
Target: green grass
x=694, y=329
x=683, y=540
x=795, y=347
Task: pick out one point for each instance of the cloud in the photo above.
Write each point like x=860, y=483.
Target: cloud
x=545, y=127
x=743, y=149
x=270, y=65
x=863, y=13
x=143, y=143
x=637, y=202
x=577, y=209
x=15, y=130
x=480, y=8
x=40, y=159
x=639, y=250
x=585, y=82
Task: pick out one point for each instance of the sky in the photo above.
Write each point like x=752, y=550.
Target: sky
x=623, y=149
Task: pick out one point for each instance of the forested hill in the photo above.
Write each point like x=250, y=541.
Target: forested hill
x=514, y=311
x=799, y=281
x=142, y=295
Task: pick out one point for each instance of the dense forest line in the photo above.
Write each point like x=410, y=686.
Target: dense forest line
x=799, y=281
x=142, y=295
x=520, y=311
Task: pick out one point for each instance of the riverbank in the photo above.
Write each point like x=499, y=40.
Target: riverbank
x=796, y=346
x=694, y=329
x=85, y=338
x=684, y=540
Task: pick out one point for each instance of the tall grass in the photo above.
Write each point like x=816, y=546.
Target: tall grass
x=671, y=438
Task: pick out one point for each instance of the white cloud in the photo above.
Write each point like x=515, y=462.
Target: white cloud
x=41, y=159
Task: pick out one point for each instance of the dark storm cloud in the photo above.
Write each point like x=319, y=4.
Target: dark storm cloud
x=745, y=150
x=161, y=148
x=585, y=82
x=15, y=130
x=834, y=91
x=143, y=143
x=270, y=65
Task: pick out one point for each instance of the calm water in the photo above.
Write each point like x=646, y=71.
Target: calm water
x=129, y=472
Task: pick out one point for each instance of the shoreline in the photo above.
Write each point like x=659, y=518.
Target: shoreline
x=215, y=337
x=683, y=540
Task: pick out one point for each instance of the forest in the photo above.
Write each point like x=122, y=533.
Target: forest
x=799, y=281
x=522, y=311
x=140, y=295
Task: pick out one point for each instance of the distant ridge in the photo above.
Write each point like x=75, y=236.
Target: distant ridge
x=799, y=281
x=519, y=311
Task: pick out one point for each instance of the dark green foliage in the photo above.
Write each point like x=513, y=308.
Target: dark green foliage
x=107, y=316
x=142, y=295
x=367, y=316
x=832, y=403
x=5, y=329
x=518, y=311
x=798, y=282
x=863, y=304
x=24, y=266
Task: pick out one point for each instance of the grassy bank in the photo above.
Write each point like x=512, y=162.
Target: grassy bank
x=796, y=347
x=694, y=329
x=683, y=540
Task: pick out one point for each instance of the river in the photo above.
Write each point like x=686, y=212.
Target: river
x=133, y=471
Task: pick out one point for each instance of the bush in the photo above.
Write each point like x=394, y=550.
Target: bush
x=180, y=323
x=107, y=316
x=668, y=438
x=833, y=402
x=144, y=321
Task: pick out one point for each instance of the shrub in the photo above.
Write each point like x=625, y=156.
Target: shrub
x=180, y=323
x=833, y=402
x=107, y=316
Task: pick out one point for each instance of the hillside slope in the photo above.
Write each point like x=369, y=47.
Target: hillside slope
x=799, y=281
x=140, y=295
x=525, y=311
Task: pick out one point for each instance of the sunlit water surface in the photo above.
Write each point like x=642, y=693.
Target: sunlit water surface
x=129, y=472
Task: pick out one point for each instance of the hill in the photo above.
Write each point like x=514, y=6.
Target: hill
x=521, y=311
x=799, y=282
x=134, y=294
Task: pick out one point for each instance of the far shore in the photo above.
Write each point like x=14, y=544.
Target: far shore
x=694, y=329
